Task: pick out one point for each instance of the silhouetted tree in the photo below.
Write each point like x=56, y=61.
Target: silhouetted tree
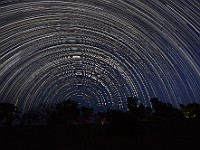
x=143, y=113
x=30, y=118
x=191, y=110
x=138, y=111
x=100, y=117
x=118, y=117
x=86, y=114
x=65, y=113
x=132, y=103
x=165, y=111
x=8, y=112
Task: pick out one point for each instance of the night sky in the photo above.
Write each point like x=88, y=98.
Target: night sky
x=99, y=52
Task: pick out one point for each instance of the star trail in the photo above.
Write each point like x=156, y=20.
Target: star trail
x=99, y=52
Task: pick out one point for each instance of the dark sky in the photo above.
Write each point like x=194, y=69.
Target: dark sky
x=99, y=52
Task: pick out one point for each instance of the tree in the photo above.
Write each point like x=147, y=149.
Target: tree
x=7, y=113
x=191, y=110
x=30, y=118
x=132, y=103
x=143, y=113
x=138, y=112
x=100, y=117
x=165, y=111
x=86, y=114
x=65, y=113
x=118, y=117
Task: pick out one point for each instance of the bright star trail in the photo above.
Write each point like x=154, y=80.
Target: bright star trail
x=99, y=52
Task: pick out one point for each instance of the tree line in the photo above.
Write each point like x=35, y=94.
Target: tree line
x=69, y=112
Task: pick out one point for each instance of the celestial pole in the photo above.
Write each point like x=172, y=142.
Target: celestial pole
x=99, y=52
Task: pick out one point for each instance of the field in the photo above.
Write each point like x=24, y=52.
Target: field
x=162, y=136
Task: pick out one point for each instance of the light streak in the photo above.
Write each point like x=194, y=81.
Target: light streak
x=100, y=51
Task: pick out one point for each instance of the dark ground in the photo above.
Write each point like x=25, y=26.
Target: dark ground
x=162, y=136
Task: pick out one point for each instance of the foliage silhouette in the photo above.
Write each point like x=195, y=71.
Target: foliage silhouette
x=30, y=118
x=165, y=111
x=69, y=112
x=191, y=111
x=138, y=111
x=120, y=117
x=86, y=115
x=8, y=112
x=65, y=113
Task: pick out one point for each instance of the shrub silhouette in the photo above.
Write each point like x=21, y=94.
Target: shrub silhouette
x=8, y=113
x=65, y=113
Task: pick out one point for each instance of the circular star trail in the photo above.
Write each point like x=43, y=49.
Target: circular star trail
x=99, y=52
